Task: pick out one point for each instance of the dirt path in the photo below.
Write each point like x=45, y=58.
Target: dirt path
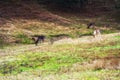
x=85, y=39
x=88, y=39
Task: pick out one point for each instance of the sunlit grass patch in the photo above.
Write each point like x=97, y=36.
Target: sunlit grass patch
x=22, y=63
x=118, y=37
x=37, y=60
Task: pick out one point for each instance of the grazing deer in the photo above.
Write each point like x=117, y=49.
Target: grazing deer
x=90, y=25
x=96, y=30
x=40, y=38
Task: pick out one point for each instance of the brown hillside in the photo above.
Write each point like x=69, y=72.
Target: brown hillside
x=27, y=10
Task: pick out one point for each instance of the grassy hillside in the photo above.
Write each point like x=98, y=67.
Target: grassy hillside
x=79, y=57
x=66, y=61
x=30, y=18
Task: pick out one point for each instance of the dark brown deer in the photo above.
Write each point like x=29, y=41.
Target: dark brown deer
x=90, y=25
x=38, y=39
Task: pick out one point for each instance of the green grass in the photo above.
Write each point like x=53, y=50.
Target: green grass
x=117, y=37
x=37, y=61
x=55, y=57
x=23, y=39
x=58, y=60
x=107, y=31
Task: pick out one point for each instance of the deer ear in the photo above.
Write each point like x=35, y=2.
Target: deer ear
x=33, y=38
